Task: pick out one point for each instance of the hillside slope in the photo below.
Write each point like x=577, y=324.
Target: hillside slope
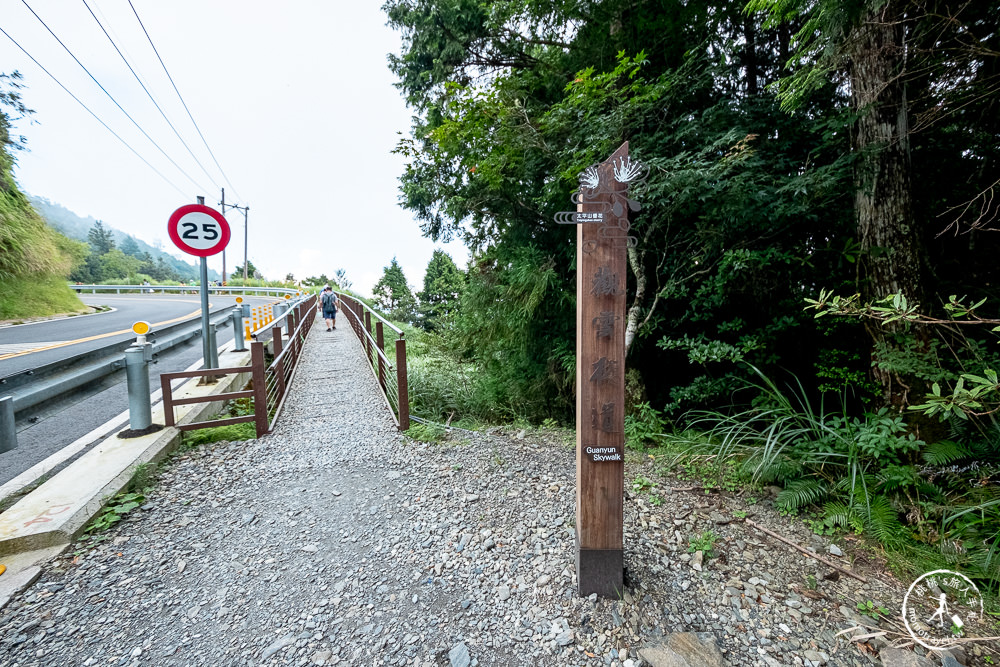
x=34, y=258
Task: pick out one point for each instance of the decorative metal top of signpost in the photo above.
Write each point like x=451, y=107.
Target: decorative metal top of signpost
x=595, y=187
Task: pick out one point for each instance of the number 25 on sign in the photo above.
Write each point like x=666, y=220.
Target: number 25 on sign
x=198, y=230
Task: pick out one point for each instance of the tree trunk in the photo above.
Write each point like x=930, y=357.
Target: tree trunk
x=883, y=203
x=634, y=317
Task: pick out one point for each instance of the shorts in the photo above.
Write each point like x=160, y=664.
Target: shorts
x=329, y=313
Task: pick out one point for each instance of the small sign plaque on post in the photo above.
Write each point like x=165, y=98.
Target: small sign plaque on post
x=602, y=219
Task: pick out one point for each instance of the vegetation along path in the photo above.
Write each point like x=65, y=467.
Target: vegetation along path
x=335, y=540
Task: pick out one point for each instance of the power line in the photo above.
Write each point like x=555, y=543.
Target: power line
x=111, y=97
x=150, y=95
x=228, y=182
x=52, y=76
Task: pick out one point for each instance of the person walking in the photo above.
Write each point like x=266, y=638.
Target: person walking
x=329, y=302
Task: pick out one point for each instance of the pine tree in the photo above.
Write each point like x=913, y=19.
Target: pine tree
x=443, y=285
x=100, y=239
x=393, y=295
x=130, y=247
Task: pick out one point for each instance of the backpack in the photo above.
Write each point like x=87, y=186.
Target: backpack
x=329, y=300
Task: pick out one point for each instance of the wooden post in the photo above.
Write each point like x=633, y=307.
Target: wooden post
x=403, y=394
x=600, y=385
x=380, y=339
x=368, y=330
x=258, y=372
x=168, y=403
x=280, y=368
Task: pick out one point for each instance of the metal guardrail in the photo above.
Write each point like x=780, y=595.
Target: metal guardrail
x=270, y=382
x=33, y=386
x=195, y=289
x=391, y=377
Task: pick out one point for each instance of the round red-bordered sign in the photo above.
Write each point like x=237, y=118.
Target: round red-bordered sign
x=198, y=230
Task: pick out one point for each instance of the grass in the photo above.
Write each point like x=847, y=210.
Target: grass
x=232, y=432
x=241, y=407
x=36, y=296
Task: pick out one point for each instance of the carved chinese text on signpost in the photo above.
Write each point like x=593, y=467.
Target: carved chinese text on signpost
x=602, y=219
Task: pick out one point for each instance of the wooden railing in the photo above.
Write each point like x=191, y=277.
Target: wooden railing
x=391, y=376
x=270, y=381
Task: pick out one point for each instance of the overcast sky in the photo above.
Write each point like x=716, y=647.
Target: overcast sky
x=294, y=99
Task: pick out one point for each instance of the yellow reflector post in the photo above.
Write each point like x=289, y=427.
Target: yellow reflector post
x=239, y=299
x=140, y=328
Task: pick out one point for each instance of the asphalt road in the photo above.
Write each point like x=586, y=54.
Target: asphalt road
x=32, y=345
x=46, y=429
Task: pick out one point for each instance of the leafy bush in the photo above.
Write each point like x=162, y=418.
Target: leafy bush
x=867, y=474
x=644, y=426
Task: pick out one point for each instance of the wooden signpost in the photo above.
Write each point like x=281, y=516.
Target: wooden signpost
x=602, y=219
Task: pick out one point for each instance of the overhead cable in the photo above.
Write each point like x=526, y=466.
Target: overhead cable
x=111, y=97
x=150, y=96
x=96, y=117
x=181, y=97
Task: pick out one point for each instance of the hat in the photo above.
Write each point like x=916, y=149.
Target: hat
x=326, y=287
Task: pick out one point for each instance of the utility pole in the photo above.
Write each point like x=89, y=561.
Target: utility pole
x=245, y=210
x=223, y=202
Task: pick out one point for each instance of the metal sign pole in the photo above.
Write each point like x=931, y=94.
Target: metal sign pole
x=206, y=338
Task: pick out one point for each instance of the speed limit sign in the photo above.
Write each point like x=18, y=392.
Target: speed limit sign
x=198, y=230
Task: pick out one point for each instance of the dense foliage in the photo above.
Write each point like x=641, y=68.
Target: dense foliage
x=794, y=148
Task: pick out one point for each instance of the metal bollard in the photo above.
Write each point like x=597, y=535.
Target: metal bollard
x=8, y=436
x=213, y=349
x=140, y=412
x=238, y=335
x=279, y=310
x=246, y=309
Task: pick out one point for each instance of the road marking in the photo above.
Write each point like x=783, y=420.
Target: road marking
x=52, y=346
x=8, y=348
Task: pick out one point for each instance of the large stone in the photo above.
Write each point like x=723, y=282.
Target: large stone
x=895, y=657
x=458, y=656
x=684, y=649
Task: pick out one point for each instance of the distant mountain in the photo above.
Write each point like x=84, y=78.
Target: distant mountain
x=75, y=227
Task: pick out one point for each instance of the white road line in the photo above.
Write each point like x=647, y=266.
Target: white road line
x=35, y=472
x=12, y=348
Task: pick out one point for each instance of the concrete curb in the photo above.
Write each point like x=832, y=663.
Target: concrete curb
x=54, y=514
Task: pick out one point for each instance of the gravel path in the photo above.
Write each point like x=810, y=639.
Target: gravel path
x=335, y=540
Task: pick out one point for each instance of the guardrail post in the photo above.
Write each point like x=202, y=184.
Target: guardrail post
x=258, y=370
x=280, y=368
x=404, y=394
x=140, y=412
x=368, y=330
x=8, y=435
x=239, y=344
x=380, y=339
